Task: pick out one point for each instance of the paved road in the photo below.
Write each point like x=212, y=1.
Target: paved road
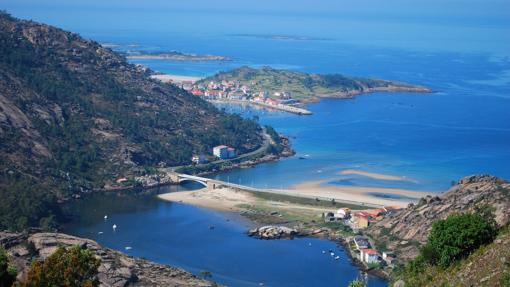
x=267, y=141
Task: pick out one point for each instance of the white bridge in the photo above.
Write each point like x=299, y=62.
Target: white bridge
x=214, y=183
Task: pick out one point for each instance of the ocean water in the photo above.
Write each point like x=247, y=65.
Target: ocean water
x=460, y=49
x=181, y=235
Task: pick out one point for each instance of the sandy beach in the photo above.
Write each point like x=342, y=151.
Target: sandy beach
x=358, y=193
x=167, y=78
x=373, y=175
x=228, y=199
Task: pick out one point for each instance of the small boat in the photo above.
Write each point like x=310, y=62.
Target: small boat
x=211, y=227
x=337, y=257
x=323, y=251
x=105, y=217
x=114, y=226
x=128, y=247
x=332, y=254
x=301, y=157
x=100, y=232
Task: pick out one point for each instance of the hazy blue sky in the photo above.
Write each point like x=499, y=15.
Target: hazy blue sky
x=482, y=25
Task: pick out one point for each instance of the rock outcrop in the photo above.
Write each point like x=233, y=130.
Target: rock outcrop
x=408, y=229
x=273, y=232
x=116, y=269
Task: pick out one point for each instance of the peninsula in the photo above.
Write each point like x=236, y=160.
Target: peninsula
x=288, y=90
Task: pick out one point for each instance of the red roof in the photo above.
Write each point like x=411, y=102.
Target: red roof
x=362, y=214
x=197, y=92
x=369, y=251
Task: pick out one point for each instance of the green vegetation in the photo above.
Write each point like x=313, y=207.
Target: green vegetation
x=89, y=118
x=7, y=273
x=450, y=241
x=356, y=283
x=73, y=267
x=277, y=147
x=24, y=205
x=456, y=237
x=302, y=85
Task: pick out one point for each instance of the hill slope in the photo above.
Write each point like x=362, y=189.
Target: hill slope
x=306, y=87
x=408, y=229
x=75, y=115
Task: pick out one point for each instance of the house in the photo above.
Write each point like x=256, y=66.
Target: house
x=330, y=217
x=360, y=219
x=375, y=212
x=343, y=213
x=388, y=257
x=368, y=255
x=199, y=159
x=197, y=92
x=221, y=151
x=361, y=242
x=231, y=152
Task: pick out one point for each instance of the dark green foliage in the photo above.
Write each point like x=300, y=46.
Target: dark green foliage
x=7, y=273
x=356, y=283
x=87, y=110
x=450, y=240
x=505, y=280
x=277, y=147
x=456, y=237
x=73, y=267
x=26, y=204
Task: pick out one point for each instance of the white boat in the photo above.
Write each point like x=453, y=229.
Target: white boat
x=337, y=257
x=100, y=232
x=105, y=217
x=114, y=226
x=128, y=247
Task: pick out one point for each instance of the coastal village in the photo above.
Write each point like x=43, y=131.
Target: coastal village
x=361, y=247
x=235, y=92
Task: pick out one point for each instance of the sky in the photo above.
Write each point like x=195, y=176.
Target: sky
x=456, y=25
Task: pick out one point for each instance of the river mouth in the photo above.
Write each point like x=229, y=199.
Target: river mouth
x=198, y=240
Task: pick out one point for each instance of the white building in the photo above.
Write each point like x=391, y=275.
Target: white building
x=221, y=151
x=199, y=159
x=343, y=213
x=369, y=255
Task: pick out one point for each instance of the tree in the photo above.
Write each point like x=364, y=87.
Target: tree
x=356, y=283
x=456, y=237
x=73, y=267
x=7, y=273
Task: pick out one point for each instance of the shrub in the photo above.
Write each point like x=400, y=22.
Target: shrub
x=73, y=267
x=7, y=273
x=456, y=237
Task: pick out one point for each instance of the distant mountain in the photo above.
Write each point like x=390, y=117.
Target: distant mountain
x=75, y=115
x=309, y=87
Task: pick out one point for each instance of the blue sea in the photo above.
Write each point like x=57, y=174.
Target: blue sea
x=460, y=49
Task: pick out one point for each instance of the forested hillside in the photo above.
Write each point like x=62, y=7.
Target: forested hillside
x=75, y=116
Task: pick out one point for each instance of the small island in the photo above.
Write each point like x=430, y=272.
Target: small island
x=288, y=90
x=173, y=56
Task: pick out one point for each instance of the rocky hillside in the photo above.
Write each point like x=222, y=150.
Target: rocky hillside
x=488, y=266
x=308, y=87
x=408, y=229
x=116, y=269
x=76, y=116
